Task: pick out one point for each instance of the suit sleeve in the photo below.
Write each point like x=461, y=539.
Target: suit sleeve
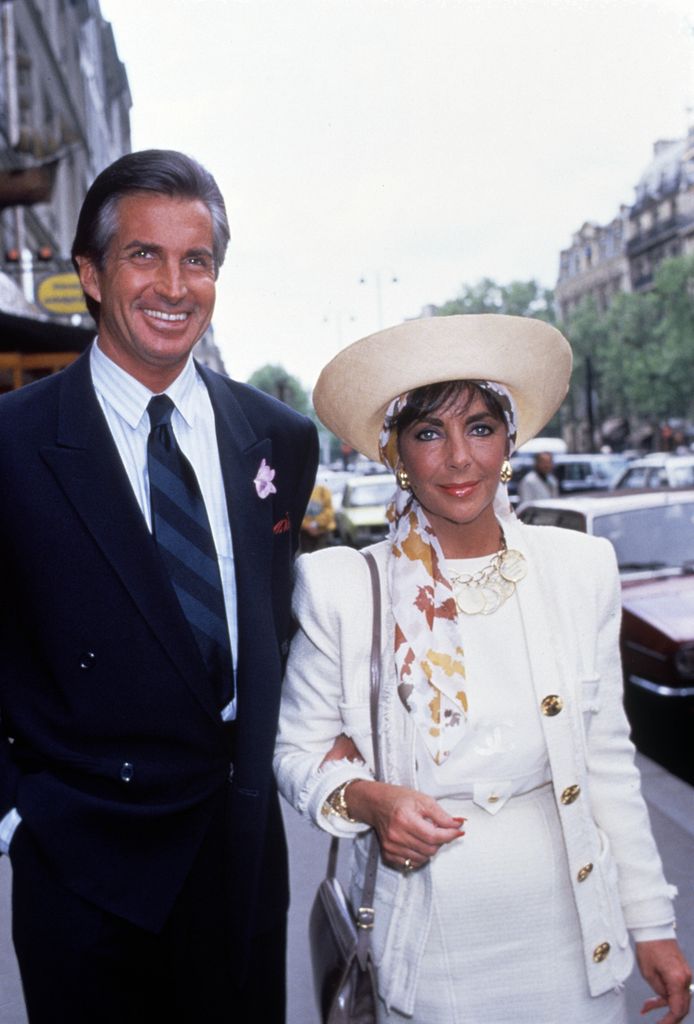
x=615, y=787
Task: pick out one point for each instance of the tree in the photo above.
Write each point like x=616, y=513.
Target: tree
x=519, y=298
x=633, y=361
x=641, y=348
x=274, y=380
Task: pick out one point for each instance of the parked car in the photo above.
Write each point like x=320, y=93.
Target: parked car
x=587, y=472
x=657, y=470
x=334, y=480
x=653, y=536
x=575, y=472
x=361, y=518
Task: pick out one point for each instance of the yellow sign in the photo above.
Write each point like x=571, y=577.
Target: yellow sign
x=61, y=293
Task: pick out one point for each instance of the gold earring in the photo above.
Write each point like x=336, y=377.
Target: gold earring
x=506, y=471
x=403, y=480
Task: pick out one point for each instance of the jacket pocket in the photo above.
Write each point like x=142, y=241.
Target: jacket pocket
x=385, y=897
x=588, y=700
x=356, y=720
x=589, y=694
x=613, y=903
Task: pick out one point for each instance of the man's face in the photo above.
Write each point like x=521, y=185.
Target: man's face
x=157, y=285
x=545, y=463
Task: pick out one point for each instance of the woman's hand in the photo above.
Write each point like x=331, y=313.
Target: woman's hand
x=343, y=748
x=411, y=826
x=663, y=966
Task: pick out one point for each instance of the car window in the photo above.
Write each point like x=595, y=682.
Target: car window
x=682, y=476
x=609, y=468
x=650, y=538
x=366, y=494
x=539, y=516
x=637, y=476
x=573, y=470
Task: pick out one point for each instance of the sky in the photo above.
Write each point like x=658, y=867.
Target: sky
x=376, y=155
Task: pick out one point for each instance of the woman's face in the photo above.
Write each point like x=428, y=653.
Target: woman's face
x=453, y=459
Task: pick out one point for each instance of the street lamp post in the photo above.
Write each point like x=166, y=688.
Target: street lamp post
x=393, y=279
x=339, y=318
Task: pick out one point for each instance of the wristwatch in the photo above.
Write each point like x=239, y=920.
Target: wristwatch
x=336, y=804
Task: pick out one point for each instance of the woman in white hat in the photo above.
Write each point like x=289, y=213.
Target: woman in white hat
x=516, y=851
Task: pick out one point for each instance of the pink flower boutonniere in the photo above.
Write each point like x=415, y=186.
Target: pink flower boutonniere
x=263, y=480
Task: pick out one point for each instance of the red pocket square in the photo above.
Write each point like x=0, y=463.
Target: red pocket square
x=282, y=525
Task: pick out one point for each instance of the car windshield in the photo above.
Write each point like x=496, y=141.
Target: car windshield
x=650, y=538
x=371, y=494
x=637, y=476
x=607, y=469
x=682, y=476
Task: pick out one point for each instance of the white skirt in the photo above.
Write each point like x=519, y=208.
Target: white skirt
x=505, y=941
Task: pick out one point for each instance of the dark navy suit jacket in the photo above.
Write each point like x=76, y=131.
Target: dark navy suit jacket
x=111, y=745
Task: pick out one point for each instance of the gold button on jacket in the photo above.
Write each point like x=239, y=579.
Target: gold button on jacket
x=584, y=872
x=600, y=952
x=570, y=794
x=552, y=705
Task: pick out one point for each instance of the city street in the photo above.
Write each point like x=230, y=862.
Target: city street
x=671, y=805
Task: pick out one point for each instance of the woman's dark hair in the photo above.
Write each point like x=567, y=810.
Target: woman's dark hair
x=424, y=402
x=162, y=171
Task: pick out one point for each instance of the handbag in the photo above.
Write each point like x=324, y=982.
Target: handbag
x=344, y=973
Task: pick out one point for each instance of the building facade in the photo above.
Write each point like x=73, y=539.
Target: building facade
x=661, y=221
x=595, y=265
x=64, y=115
x=622, y=256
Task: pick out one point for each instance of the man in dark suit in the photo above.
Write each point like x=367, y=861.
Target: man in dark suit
x=140, y=676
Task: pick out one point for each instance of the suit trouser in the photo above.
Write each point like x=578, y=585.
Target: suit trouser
x=82, y=965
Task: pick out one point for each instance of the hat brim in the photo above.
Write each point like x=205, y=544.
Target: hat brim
x=528, y=356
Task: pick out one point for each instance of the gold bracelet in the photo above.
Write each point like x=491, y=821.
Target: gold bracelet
x=336, y=803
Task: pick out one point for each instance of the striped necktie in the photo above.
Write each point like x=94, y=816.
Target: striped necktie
x=182, y=531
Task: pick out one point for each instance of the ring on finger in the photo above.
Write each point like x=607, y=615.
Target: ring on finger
x=407, y=865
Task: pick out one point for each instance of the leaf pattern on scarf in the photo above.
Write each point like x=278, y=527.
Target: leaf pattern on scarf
x=428, y=653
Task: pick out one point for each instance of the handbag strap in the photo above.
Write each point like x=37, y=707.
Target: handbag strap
x=365, y=912
x=375, y=658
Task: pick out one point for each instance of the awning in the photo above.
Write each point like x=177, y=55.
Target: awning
x=27, y=335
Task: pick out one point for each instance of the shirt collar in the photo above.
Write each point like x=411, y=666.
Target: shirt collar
x=129, y=398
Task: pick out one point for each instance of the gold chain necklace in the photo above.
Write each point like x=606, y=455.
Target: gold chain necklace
x=482, y=592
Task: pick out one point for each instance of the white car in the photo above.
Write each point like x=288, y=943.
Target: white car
x=657, y=470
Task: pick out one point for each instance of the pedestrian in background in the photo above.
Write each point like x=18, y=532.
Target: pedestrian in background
x=318, y=525
x=540, y=482
x=150, y=515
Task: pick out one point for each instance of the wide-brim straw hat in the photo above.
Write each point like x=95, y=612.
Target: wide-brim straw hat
x=529, y=357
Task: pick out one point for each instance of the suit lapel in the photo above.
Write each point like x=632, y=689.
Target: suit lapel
x=250, y=517
x=88, y=468
x=241, y=453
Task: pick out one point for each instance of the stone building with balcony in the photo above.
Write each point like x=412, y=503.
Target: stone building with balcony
x=594, y=266
x=661, y=221
x=623, y=255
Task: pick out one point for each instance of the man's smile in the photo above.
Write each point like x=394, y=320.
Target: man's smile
x=158, y=314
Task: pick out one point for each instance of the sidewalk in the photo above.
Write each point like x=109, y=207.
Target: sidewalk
x=671, y=806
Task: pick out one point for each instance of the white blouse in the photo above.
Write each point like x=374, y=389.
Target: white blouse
x=504, y=751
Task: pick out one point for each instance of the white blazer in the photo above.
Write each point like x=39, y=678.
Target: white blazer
x=570, y=607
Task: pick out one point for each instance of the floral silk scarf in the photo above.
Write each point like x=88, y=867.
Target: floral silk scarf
x=429, y=658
